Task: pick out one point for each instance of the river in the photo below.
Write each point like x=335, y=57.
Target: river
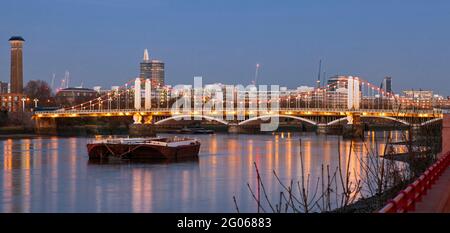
x=54, y=174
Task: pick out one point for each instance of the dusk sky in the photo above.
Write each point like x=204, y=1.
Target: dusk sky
x=101, y=42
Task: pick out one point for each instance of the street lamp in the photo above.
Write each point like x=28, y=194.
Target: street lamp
x=36, y=102
x=109, y=103
x=99, y=103
x=23, y=103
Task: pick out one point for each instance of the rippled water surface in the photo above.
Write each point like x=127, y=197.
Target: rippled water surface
x=54, y=174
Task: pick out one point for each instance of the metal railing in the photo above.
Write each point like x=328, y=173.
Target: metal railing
x=99, y=111
x=406, y=200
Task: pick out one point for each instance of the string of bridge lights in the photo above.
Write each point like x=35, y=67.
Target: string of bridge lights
x=115, y=94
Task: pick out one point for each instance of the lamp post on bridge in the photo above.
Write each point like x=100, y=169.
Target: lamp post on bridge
x=99, y=103
x=127, y=98
x=109, y=100
x=118, y=101
x=23, y=103
x=36, y=102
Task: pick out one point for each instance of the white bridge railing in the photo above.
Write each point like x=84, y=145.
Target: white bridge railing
x=293, y=110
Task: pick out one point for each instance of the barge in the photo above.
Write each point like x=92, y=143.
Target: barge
x=174, y=148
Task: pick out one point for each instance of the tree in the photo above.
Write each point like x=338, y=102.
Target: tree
x=38, y=89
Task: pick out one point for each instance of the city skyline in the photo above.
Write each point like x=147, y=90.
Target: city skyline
x=108, y=52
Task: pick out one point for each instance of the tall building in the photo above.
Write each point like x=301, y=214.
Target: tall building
x=146, y=67
x=387, y=84
x=157, y=74
x=13, y=100
x=153, y=70
x=16, y=43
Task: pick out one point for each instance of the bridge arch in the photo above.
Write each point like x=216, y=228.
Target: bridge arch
x=388, y=118
x=431, y=121
x=384, y=117
x=281, y=116
x=337, y=121
x=192, y=117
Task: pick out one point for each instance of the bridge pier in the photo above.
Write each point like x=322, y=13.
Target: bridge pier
x=137, y=129
x=148, y=119
x=322, y=129
x=354, y=129
x=234, y=129
x=415, y=129
x=142, y=130
x=45, y=126
x=137, y=118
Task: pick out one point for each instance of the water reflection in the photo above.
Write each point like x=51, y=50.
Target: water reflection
x=54, y=174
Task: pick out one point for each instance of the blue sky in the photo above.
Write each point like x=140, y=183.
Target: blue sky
x=101, y=42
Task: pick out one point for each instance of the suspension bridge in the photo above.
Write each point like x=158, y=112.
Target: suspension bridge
x=346, y=103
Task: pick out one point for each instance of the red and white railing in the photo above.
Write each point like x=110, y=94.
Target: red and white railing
x=406, y=200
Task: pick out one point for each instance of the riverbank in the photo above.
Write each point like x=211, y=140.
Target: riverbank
x=12, y=130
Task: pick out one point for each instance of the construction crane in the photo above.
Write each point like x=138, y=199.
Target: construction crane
x=67, y=78
x=255, y=81
x=52, y=85
x=318, y=75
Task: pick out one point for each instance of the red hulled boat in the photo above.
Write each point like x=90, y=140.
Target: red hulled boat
x=174, y=148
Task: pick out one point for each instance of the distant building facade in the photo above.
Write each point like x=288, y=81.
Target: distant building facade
x=418, y=94
x=337, y=91
x=73, y=96
x=387, y=85
x=419, y=99
x=4, y=86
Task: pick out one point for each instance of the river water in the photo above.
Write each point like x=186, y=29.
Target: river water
x=54, y=174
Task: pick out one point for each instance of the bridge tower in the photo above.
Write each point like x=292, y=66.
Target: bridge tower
x=137, y=94
x=353, y=94
x=148, y=95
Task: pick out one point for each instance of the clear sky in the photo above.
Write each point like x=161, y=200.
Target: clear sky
x=101, y=42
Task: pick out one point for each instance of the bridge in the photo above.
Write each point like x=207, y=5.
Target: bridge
x=348, y=103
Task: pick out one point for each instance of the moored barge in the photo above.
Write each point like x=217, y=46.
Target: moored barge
x=174, y=148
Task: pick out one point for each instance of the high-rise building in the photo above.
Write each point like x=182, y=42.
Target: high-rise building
x=387, y=84
x=146, y=67
x=157, y=74
x=16, y=43
x=153, y=70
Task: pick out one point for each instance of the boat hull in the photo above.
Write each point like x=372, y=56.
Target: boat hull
x=142, y=152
